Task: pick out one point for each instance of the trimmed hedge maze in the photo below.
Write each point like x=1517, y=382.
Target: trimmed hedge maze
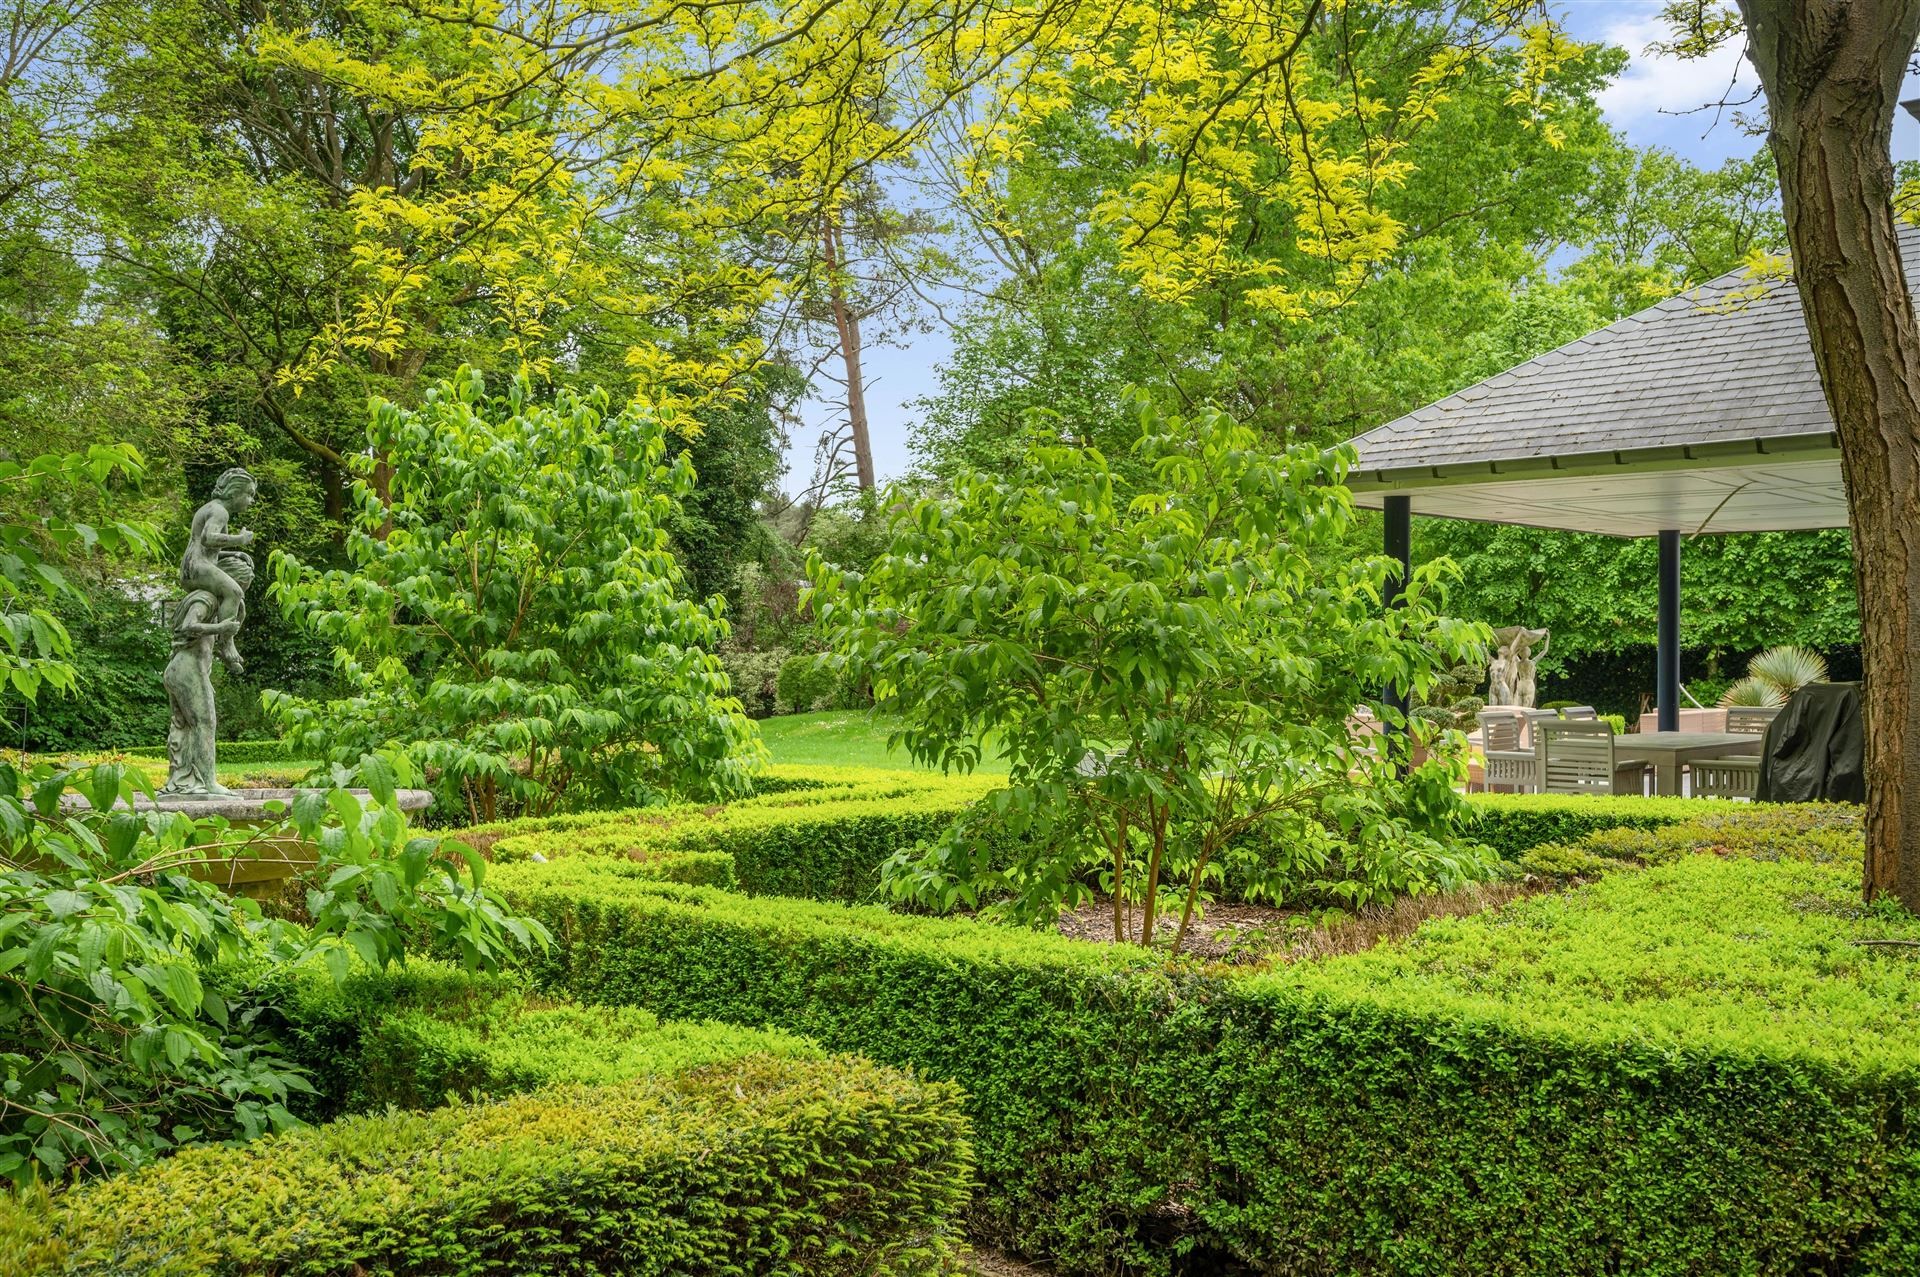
x=566, y=1140
x=822, y=833
x=1688, y=1064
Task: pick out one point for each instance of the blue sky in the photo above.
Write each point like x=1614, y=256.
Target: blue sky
x=1653, y=103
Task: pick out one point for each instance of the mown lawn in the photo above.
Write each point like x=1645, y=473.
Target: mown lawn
x=840, y=738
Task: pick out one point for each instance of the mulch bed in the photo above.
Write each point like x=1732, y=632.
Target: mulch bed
x=991, y=1263
x=1225, y=933
x=1245, y=933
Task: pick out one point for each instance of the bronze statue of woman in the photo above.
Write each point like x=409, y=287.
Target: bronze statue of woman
x=196, y=629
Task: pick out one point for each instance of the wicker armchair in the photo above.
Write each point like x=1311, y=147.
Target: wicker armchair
x=1578, y=758
x=1508, y=767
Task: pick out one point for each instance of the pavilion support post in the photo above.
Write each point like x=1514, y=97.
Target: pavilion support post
x=1399, y=547
x=1667, y=667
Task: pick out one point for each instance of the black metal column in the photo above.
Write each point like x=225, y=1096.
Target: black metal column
x=1399, y=546
x=1667, y=676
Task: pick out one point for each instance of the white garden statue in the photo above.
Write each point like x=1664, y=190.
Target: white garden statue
x=1511, y=674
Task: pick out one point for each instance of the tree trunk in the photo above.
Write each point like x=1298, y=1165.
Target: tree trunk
x=1161, y=817
x=1831, y=70
x=846, y=324
x=333, y=489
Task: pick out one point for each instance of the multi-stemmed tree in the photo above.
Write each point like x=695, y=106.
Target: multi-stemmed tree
x=1171, y=663
x=513, y=615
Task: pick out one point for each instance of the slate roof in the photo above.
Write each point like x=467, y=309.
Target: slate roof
x=1704, y=369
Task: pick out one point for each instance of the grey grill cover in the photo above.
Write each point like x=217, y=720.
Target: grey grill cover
x=1816, y=748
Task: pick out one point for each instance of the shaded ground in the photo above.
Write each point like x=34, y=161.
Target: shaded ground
x=1225, y=932
x=991, y=1263
x=1258, y=933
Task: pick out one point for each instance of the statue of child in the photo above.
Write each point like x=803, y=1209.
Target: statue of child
x=200, y=567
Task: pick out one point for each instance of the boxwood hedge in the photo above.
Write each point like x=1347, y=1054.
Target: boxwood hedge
x=766, y=1165
x=1512, y=823
x=230, y=751
x=614, y=1144
x=826, y=841
x=419, y=1035
x=827, y=832
x=1687, y=1066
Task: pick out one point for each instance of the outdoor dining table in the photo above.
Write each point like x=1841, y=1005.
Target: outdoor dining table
x=1668, y=752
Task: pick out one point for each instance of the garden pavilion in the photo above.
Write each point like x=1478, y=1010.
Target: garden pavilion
x=1701, y=415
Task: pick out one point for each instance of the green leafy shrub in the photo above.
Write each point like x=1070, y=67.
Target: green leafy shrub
x=1824, y=833
x=1691, y=1068
x=1167, y=656
x=40, y=535
x=809, y=683
x=755, y=678
x=1708, y=1023
x=827, y=842
x=833, y=1166
x=117, y=699
x=1454, y=699
x=764, y=1164
x=125, y=1031
x=514, y=616
x=1557, y=860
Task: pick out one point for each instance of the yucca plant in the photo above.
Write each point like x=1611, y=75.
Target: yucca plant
x=1751, y=691
x=1776, y=674
x=1788, y=668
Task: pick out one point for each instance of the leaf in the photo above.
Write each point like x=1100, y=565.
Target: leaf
x=376, y=773
x=309, y=809
x=344, y=875
x=368, y=946
x=178, y=983
x=66, y=903
x=104, y=785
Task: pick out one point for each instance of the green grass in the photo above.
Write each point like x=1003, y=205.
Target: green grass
x=842, y=738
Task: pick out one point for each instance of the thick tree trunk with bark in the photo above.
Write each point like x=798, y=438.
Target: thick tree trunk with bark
x=1831, y=70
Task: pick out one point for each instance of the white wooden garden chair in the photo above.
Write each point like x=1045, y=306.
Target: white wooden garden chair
x=1507, y=767
x=1751, y=719
x=1578, y=757
x=1737, y=778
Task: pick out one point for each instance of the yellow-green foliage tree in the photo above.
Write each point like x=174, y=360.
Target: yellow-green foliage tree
x=627, y=155
x=326, y=199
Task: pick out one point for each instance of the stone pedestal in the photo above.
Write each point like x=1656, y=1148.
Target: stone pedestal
x=269, y=860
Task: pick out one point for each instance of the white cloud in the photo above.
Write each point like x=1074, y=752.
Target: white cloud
x=1655, y=86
